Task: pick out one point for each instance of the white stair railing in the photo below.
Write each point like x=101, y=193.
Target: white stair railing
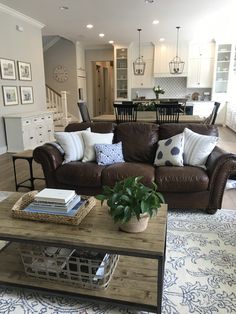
x=58, y=103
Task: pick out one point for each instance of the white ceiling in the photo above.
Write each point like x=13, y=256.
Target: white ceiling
x=119, y=19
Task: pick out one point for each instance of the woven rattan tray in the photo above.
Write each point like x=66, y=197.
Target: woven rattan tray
x=18, y=211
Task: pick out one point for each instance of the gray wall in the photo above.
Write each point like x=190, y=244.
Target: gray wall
x=63, y=53
x=95, y=55
x=21, y=46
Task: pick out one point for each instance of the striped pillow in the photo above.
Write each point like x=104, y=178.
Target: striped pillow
x=197, y=147
x=72, y=144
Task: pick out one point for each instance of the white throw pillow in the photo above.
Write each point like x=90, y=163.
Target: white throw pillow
x=197, y=147
x=72, y=143
x=90, y=139
x=170, y=151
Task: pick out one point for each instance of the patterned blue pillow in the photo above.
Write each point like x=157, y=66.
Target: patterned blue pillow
x=108, y=154
x=170, y=151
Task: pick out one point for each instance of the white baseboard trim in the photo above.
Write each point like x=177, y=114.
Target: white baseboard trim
x=3, y=150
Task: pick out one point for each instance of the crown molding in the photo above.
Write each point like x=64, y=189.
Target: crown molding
x=12, y=12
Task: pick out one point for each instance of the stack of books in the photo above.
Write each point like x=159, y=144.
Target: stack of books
x=56, y=201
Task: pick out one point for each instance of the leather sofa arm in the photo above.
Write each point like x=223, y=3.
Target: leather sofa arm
x=50, y=159
x=220, y=165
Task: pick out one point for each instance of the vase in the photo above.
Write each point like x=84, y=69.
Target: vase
x=157, y=95
x=134, y=225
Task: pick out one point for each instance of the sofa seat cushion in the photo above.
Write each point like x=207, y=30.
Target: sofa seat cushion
x=81, y=174
x=116, y=172
x=181, y=179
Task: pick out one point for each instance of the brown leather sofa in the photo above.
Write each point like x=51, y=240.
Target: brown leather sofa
x=185, y=187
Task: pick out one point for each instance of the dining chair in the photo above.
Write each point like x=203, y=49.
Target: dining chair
x=167, y=112
x=125, y=112
x=84, y=112
x=210, y=120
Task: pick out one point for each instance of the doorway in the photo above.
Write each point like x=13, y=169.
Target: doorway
x=103, y=87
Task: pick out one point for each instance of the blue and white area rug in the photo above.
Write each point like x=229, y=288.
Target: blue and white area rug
x=200, y=273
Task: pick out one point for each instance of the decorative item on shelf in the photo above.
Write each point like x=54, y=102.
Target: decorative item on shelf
x=157, y=90
x=139, y=64
x=176, y=65
x=195, y=96
x=131, y=203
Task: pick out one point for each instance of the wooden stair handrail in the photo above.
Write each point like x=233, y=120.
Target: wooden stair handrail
x=53, y=90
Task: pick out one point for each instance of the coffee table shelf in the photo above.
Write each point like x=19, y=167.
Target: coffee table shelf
x=131, y=283
x=138, y=278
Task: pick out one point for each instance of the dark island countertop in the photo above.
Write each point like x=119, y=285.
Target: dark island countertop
x=180, y=100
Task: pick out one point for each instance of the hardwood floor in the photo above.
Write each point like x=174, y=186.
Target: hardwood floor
x=227, y=142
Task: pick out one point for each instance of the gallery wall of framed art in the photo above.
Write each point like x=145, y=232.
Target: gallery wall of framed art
x=18, y=71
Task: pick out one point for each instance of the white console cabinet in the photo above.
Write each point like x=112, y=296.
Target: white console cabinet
x=28, y=130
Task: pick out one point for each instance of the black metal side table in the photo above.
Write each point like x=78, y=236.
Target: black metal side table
x=28, y=156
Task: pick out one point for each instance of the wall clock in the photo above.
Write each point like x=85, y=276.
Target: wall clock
x=60, y=74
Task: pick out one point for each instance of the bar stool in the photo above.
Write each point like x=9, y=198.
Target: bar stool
x=28, y=156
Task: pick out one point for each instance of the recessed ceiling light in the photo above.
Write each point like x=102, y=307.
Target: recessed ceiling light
x=111, y=41
x=162, y=39
x=89, y=26
x=101, y=35
x=64, y=8
x=155, y=22
x=148, y=1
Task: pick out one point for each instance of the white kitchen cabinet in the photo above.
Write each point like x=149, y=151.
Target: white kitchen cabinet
x=224, y=66
x=146, y=80
x=122, y=73
x=200, y=73
x=163, y=54
x=201, y=65
x=28, y=130
x=202, y=49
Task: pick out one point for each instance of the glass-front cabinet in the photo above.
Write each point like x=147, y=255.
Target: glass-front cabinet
x=223, y=63
x=121, y=73
x=224, y=83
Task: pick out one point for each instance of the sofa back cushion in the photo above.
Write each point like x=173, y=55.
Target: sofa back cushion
x=139, y=141
x=167, y=130
x=96, y=127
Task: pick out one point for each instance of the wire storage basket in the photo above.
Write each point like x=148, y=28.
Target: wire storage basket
x=87, y=269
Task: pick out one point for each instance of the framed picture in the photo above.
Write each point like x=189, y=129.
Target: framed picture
x=26, y=95
x=8, y=70
x=10, y=95
x=24, y=70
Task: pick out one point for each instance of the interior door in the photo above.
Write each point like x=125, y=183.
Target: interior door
x=103, y=88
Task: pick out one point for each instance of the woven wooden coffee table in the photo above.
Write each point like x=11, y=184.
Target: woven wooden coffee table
x=138, y=278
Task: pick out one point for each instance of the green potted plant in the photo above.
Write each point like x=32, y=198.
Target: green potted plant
x=131, y=203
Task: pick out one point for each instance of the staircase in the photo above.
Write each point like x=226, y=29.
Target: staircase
x=57, y=102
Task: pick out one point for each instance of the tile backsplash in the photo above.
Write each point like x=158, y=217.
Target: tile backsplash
x=175, y=87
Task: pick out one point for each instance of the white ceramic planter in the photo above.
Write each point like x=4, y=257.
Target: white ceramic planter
x=135, y=225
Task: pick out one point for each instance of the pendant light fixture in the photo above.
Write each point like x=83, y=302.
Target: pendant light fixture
x=139, y=65
x=176, y=65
